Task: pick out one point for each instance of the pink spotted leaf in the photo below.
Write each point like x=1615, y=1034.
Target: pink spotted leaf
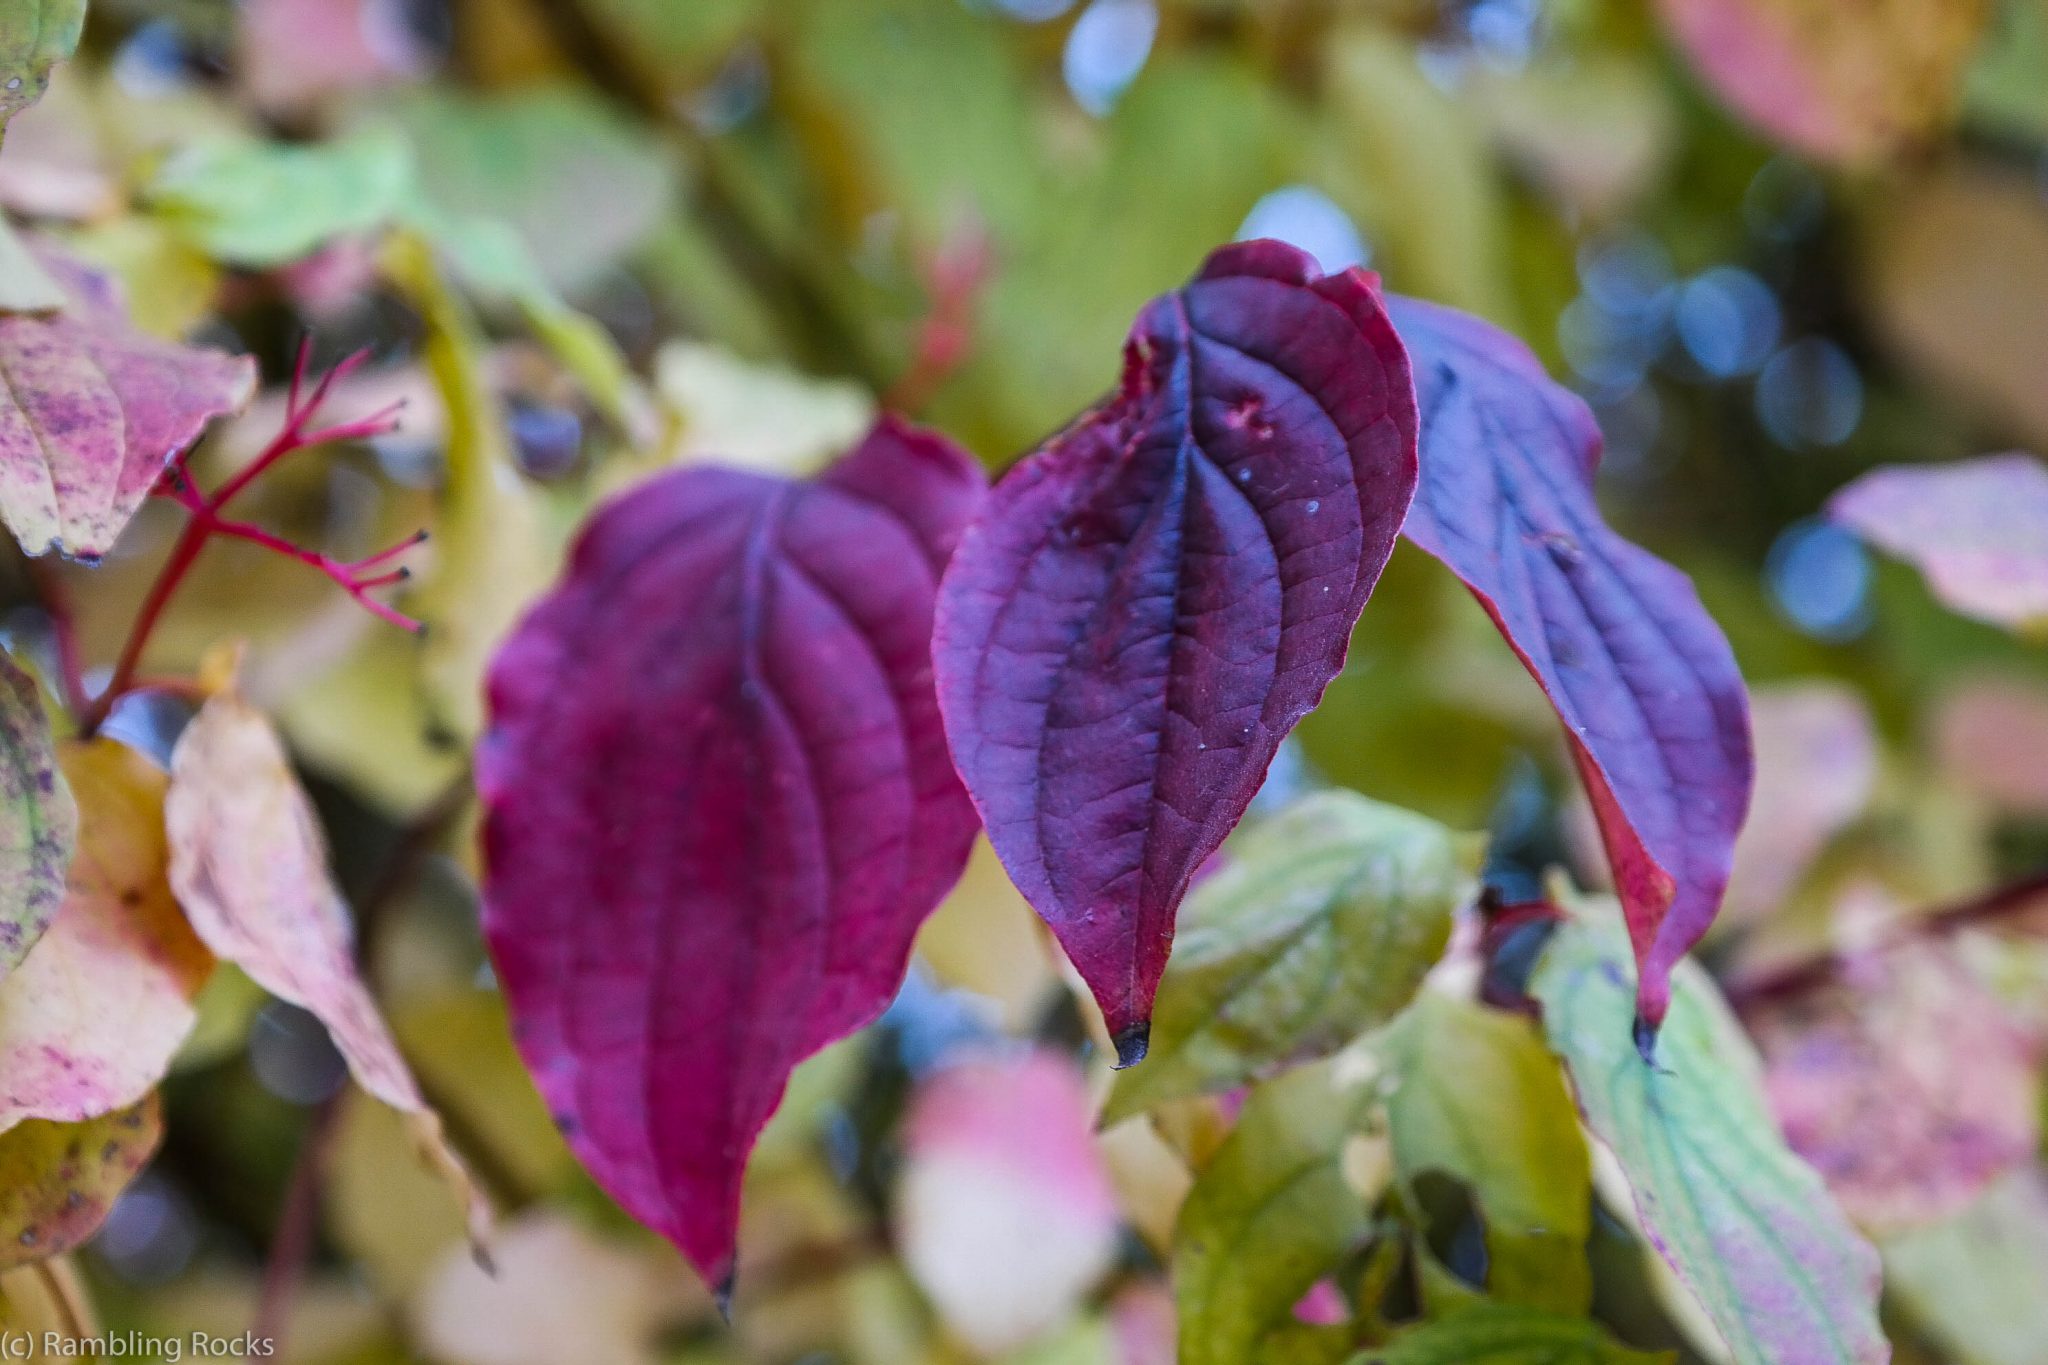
x=1977, y=528
x=1641, y=677
x=1148, y=603
x=718, y=807
x=92, y=410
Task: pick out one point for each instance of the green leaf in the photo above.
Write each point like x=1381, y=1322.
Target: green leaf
x=1319, y=928
x=34, y=36
x=1501, y=1335
x=25, y=287
x=1286, y=1196
x=1748, y=1227
x=1972, y=1284
x=58, y=1180
x=1479, y=1098
x=256, y=203
x=578, y=184
x=38, y=819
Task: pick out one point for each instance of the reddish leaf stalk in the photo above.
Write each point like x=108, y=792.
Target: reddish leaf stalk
x=353, y=577
x=1989, y=910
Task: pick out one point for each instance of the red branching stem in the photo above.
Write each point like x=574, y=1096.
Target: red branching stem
x=953, y=279
x=352, y=577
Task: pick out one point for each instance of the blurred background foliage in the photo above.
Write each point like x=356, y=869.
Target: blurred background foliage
x=672, y=230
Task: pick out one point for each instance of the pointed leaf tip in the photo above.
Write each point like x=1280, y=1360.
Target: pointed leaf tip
x=715, y=754
x=1132, y=1044
x=1643, y=681
x=1149, y=603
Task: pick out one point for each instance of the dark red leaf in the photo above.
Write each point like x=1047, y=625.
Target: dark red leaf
x=1147, y=605
x=719, y=805
x=1642, y=678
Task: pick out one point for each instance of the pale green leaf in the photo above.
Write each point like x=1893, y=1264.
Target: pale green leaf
x=1320, y=927
x=1501, y=1335
x=25, y=287
x=255, y=203
x=34, y=36
x=1749, y=1227
x=1479, y=1098
x=1282, y=1201
x=1972, y=1283
x=579, y=184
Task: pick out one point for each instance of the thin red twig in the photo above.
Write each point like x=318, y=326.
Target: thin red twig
x=207, y=522
x=953, y=279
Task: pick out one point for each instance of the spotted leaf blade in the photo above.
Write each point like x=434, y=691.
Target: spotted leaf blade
x=1148, y=603
x=719, y=805
x=1641, y=677
x=92, y=410
x=38, y=819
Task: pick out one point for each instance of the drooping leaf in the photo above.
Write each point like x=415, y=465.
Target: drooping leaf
x=91, y=1018
x=250, y=202
x=1004, y=1212
x=1149, y=603
x=1906, y=1083
x=1490, y=1334
x=1477, y=1097
x=1281, y=1202
x=1641, y=677
x=1977, y=528
x=38, y=819
x=1972, y=1284
x=249, y=865
x=1319, y=928
x=59, y=1180
x=34, y=36
x=1848, y=83
x=91, y=412
x=715, y=752
x=1748, y=1227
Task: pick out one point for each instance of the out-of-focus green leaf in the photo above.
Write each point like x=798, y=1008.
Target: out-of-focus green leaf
x=1320, y=927
x=1500, y=1335
x=1282, y=1201
x=494, y=550
x=1973, y=1282
x=2005, y=88
x=25, y=287
x=58, y=1180
x=1747, y=1225
x=1478, y=1097
x=1411, y=164
x=34, y=36
x=493, y=261
x=578, y=183
x=256, y=203
x=757, y=416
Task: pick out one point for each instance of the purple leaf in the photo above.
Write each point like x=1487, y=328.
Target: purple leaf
x=1639, y=674
x=1147, y=604
x=719, y=805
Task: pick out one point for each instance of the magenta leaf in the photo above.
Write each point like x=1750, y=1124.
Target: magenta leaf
x=1641, y=677
x=718, y=807
x=1147, y=604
